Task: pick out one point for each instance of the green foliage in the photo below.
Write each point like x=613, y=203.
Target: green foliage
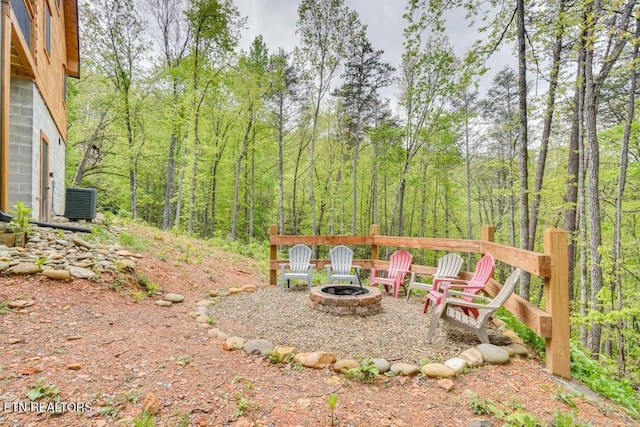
x=527, y=335
x=4, y=306
x=483, y=406
x=242, y=406
x=184, y=360
x=593, y=374
x=41, y=390
x=332, y=401
x=274, y=357
x=522, y=419
x=145, y=283
x=134, y=243
x=144, y=420
x=137, y=296
x=20, y=221
x=567, y=419
x=365, y=373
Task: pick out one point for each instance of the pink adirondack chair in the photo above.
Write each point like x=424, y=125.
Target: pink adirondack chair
x=399, y=267
x=484, y=271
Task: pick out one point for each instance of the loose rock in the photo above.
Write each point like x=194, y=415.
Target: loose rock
x=316, y=360
x=174, y=297
x=258, y=346
x=493, y=354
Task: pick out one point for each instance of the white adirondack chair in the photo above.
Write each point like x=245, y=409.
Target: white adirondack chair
x=448, y=268
x=341, y=268
x=450, y=309
x=299, y=266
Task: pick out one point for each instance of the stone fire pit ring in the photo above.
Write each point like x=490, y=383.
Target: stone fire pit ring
x=364, y=304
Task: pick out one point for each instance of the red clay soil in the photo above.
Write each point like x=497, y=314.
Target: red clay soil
x=107, y=357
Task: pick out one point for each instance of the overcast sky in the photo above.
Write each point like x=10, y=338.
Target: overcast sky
x=276, y=21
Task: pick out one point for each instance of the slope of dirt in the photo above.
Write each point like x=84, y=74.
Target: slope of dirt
x=105, y=355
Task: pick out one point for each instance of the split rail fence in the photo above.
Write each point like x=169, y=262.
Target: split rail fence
x=552, y=323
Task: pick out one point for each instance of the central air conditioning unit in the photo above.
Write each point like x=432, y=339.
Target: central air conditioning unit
x=80, y=203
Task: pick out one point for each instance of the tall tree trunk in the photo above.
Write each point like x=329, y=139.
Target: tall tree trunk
x=593, y=182
x=236, y=182
x=467, y=169
x=168, y=189
x=622, y=180
x=574, y=166
x=546, y=130
x=354, y=171
x=183, y=167
x=523, y=156
x=281, y=162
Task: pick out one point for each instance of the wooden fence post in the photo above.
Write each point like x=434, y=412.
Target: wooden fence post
x=374, y=246
x=488, y=233
x=273, y=255
x=556, y=296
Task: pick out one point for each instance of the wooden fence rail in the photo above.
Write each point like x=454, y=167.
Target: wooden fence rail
x=552, y=265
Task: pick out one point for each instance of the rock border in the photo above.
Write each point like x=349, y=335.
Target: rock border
x=510, y=345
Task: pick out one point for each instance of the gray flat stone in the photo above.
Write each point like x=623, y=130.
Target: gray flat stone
x=163, y=303
x=258, y=346
x=24, y=268
x=174, y=297
x=493, y=354
x=381, y=364
x=81, y=273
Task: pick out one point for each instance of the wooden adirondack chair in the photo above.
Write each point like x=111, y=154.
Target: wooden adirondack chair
x=448, y=268
x=341, y=268
x=454, y=301
x=299, y=266
x=399, y=266
x=484, y=271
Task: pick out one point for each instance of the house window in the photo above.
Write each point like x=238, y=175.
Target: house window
x=47, y=28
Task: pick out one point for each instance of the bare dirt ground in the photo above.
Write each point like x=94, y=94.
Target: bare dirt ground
x=106, y=357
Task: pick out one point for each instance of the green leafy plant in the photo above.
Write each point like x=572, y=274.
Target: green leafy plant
x=594, y=375
x=566, y=398
x=527, y=335
x=144, y=420
x=184, y=360
x=365, y=373
x=242, y=406
x=567, y=419
x=522, y=419
x=137, y=296
x=332, y=401
x=41, y=390
x=4, y=306
x=20, y=221
x=274, y=357
x=483, y=406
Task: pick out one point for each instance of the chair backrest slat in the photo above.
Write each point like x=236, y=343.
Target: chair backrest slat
x=299, y=258
x=484, y=271
x=399, y=261
x=448, y=266
x=341, y=258
x=501, y=297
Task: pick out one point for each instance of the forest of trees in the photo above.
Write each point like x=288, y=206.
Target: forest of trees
x=177, y=126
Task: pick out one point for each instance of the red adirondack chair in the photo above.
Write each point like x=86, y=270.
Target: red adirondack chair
x=399, y=267
x=484, y=271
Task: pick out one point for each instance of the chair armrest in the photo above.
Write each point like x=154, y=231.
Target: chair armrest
x=459, y=294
